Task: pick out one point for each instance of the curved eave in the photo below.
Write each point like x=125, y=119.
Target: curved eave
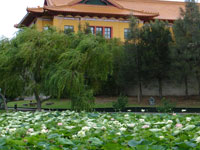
x=81, y=13
x=28, y=19
x=35, y=10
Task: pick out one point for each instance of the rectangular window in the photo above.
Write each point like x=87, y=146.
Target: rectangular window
x=107, y=33
x=126, y=33
x=92, y=30
x=99, y=31
x=69, y=28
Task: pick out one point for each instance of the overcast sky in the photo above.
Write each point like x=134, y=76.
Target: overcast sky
x=12, y=11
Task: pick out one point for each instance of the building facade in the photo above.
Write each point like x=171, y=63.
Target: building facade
x=106, y=17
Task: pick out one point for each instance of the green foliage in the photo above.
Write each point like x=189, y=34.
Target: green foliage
x=131, y=68
x=84, y=65
x=83, y=101
x=70, y=130
x=121, y=103
x=166, y=106
x=87, y=28
x=9, y=74
x=187, y=36
x=57, y=64
x=155, y=39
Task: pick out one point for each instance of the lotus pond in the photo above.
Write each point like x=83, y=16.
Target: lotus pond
x=70, y=130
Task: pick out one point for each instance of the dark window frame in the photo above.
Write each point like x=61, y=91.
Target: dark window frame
x=126, y=33
x=103, y=32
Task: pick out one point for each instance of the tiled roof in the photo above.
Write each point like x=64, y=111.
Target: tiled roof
x=59, y=2
x=167, y=10
x=36, y=10
x=82, y=8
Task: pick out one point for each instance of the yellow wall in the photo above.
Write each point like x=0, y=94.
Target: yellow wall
x=59, y=22
x=42, y=22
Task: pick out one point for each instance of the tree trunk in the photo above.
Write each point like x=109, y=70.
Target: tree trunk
x=198, y=81
x=160, y=87
x=186, y=86
x=139, y=91
x=39, y=103
x=4, y=101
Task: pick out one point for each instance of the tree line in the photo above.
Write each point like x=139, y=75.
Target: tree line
x=158, y=51
x=81, y=65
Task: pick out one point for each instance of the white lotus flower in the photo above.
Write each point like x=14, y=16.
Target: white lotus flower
x=141, y=120
x=126, y=115
x=81, y=133
x=188, y=119
x=168, y=126
x=69, y=127
x=44, y=131
x=189, y=127
x=198, y=139
x=142, y=110
x=157, y=123
x=155, y=130
x=122, y=129
x=85, y=128
x=118, y=133
x=31, y=130
x=12, y=130
x=176, y=132
x=164, y=129
x=161, y=137
x=169, y=121
x=74, y=136
x=103, y=128
x=131, y=125
x=145, y=126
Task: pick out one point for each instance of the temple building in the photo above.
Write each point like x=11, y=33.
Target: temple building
x=106, y=17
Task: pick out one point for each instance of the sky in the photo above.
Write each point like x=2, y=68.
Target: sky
x=12, y=12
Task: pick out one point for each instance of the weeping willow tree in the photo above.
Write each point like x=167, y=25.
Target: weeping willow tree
x=3, y=46
x=54, y=63
x=27, y=58
x=82, y=68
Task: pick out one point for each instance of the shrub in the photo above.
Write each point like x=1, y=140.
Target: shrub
x=121, y=103
x=166, y=106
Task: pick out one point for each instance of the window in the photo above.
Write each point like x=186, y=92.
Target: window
x=104, y=31
x=99, y=31
x=126, y=33
x=68, y=29
x=107, y=33
x=92, y=30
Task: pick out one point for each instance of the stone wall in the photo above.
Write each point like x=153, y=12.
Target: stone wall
x=170, y=88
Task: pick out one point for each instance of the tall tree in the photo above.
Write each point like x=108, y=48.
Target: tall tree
x=3, y=45
x=182, y=53
x=81, y=69
x=155, y=38
x=28, y=57
x=187, y=37
x=132, y=66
